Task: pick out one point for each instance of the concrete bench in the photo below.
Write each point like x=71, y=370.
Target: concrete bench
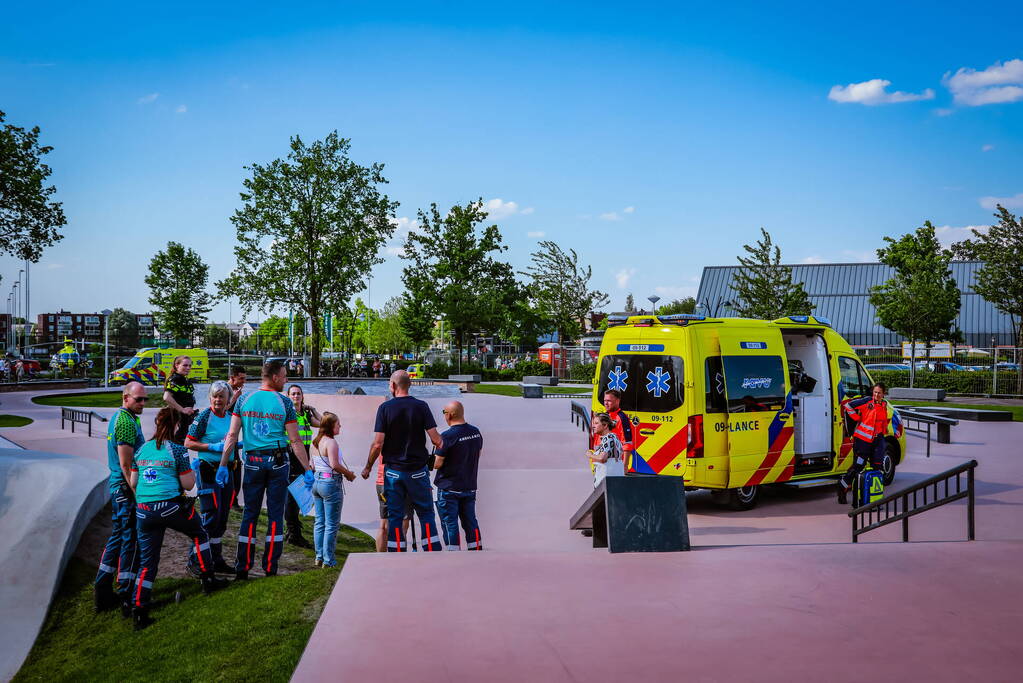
x=466, y=378
x=541, y=380
x=532, y=391
x=907, y=394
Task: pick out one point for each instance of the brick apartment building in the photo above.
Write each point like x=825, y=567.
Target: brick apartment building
x=56, y=327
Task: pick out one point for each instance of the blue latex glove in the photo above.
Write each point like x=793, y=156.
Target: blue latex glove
x=310, y=478
x=223, y=476
x=217, y=447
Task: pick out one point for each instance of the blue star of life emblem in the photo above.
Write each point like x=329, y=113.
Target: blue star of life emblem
x=149, y=475
x=616, y=379
x=658, y=382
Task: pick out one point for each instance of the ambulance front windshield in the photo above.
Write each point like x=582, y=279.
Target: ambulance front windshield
x=647, y=383
x=138, y=363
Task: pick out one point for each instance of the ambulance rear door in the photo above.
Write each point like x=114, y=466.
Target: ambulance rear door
x=759, y=405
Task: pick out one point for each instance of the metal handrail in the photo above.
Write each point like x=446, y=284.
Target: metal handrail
x=888, y=510
x=581, y=416
x=76, y=415
x=944, y=425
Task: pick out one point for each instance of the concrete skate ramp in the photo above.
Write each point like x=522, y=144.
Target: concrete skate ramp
x=46, y=501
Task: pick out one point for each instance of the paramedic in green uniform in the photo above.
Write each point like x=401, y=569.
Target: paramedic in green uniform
x=308, y=418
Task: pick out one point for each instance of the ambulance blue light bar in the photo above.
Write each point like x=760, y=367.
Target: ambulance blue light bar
x=799, y=318
x=613, y=320
x=680, y=318
x=822, y=320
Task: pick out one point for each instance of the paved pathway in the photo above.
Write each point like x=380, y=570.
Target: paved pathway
x=772, y=593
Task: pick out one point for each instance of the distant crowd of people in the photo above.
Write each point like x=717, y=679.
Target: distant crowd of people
x=260, y=443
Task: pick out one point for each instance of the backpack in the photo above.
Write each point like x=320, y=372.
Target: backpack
x=871, y=486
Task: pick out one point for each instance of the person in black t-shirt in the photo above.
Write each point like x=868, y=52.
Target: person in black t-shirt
x=179, y=394
x=457, y=463
x=400, y=426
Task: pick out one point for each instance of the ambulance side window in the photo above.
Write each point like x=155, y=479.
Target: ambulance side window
x=754, y=384
x=714, y=385
x=853, y=379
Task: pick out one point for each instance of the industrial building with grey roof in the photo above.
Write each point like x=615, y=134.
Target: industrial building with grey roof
x=841, y=292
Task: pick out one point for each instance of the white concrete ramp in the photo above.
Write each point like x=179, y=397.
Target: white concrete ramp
x=46, y=501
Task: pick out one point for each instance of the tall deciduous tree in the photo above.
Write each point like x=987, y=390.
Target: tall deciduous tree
x=416, y=315
x=922, y=300
x=452, y=264
x=177, y=290
x=630, y=303
x=123, y=327
x=561, y=288
x=309, y=231
x=1000, y=279
x=386, y=335
x=29, y=219
x=684, y=305
x=763, y=286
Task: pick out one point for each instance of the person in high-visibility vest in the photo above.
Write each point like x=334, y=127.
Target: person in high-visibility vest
x=308, y=418
x=872, y=424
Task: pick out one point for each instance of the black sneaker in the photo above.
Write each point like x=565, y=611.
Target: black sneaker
x=841, y=493
x=298, y=542
x=103, y=598
x=211, y=583
x=222, y=567
x=241, y=575
x=140, y=618
x=193, y=570
x=126, y=608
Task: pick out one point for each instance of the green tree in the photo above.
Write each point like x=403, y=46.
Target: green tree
x=1000, y=279
x=309, y=231
x=123, y=327
x=525, y=323
x=417, y=313
x=561, y=289
x=386, y=335
x=451, y=265
x=29, y=220
x=216, y=337
x=683, y=305
x=763, y=286
x=177, y=290
x=922, y=300
x=630, y=303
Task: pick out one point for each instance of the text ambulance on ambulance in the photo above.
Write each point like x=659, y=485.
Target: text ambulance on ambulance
x=732, y=404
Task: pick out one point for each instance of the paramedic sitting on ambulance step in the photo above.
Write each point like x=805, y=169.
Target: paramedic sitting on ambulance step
x=400, y=424
x=869, y=444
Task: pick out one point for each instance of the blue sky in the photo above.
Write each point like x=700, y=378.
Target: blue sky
x=653, y=138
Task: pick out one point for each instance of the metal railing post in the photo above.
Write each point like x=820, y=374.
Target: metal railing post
x=969, y=510
x=905, y=520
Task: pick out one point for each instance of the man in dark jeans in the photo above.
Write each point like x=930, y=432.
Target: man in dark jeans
x=400, y=426
x=457, y=464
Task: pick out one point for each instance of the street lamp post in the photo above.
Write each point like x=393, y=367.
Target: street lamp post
x=27, y=328
x=17, y=310
x=106, y=346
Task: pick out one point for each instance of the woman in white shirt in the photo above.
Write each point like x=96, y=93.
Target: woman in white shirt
x=328, y=496
x=606, y=455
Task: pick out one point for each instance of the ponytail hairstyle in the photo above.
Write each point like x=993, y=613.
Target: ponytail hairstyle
x=166, y=423
x=174, y=368
x=327, y=424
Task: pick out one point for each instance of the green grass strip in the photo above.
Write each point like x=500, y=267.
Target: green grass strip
x=516, y=390
x=14, y=421
x=253, y=630
x=95, y=399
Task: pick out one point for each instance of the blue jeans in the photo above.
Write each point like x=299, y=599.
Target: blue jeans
x=263, y=475
x=455, y=506
x=120, y=559
x=327, y=501
x=415, y=486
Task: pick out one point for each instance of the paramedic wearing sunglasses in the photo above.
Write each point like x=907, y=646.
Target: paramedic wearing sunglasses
x=268, y=420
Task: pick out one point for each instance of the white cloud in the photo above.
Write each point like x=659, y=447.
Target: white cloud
x=947, y=234
x=987, y=148
x=813, y=259
x=629, y=209
x=869, y=256
x=536, y=234
x=498, y=208
x=402, y=227
x=999, y=83
x=528, y=210
x=623, y=276
x=1014, y=202
x=672, y=293
x=395, y=251
x=610, y=216
x=181, y=109
x=874, y=92
x=54, y=266
x=149, y=99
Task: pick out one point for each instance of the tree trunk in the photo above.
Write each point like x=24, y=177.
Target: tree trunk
x=314, y=363
x=912, y=361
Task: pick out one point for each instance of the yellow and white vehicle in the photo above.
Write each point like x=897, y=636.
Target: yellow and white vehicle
x=731, y=404
x=153, y=366
x=416, y=370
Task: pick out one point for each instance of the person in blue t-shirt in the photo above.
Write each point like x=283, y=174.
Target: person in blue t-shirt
x=402, y=424
x=160, y=474
x=120, y=559
x=206, y=437
x=268, y=420
x=458, y=461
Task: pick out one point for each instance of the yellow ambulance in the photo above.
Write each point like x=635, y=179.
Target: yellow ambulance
x=732, y=404
x=153, y=366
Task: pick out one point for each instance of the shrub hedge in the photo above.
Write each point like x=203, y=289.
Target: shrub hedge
x=979, y=382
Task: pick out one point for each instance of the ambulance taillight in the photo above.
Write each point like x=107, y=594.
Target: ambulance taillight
x=694, y=447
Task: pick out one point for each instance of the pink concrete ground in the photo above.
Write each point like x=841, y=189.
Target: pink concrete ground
x=768, y=594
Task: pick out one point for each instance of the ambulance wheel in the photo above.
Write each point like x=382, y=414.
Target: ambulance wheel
x=891, y=456
x=744, y=498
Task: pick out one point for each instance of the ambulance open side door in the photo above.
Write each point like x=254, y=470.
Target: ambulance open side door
x=759, y=405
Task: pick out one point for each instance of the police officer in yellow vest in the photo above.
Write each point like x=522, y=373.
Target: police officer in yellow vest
x=308, y=419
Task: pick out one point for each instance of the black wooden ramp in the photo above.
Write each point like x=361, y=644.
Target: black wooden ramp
x=636, y=514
